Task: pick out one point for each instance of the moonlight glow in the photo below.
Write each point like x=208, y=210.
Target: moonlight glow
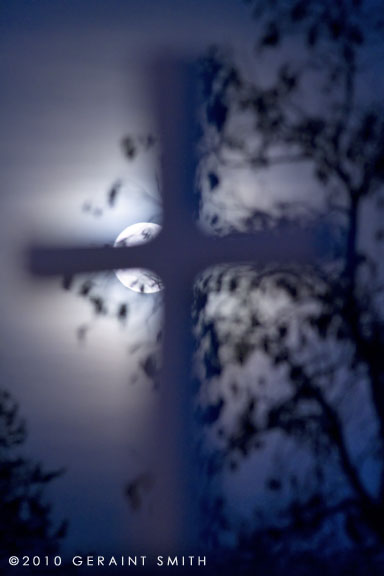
x=136, y=279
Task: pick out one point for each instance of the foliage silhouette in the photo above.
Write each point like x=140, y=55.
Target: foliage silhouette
x=318, y=332
x=26, y=524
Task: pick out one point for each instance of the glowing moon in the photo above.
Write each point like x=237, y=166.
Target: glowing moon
x=136, y=279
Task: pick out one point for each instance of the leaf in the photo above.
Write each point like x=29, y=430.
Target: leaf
x=98, y=304
x=213, y=412
x=67, y=282
x=150, y=366
x=299, y=10
x=213, y=180
x=85, y=288
x=271, y=36
x=113, y=192
x=273, y=484
x=242, y=351
x=129, y=147
x=217, y=113
x=233, y=285
x=123, y=312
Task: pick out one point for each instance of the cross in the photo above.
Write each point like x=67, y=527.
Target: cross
x=177, y=255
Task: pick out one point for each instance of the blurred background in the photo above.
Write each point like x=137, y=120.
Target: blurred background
x=290, y=401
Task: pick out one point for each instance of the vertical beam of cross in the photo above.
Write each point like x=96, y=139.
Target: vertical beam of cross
x=176, y=466
x=177, y=255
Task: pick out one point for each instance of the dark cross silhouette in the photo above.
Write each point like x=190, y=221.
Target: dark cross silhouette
x=177, y=255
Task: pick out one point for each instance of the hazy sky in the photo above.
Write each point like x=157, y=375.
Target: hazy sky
x=72, y=84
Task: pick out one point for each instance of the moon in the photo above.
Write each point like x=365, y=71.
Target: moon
x=137, y=279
